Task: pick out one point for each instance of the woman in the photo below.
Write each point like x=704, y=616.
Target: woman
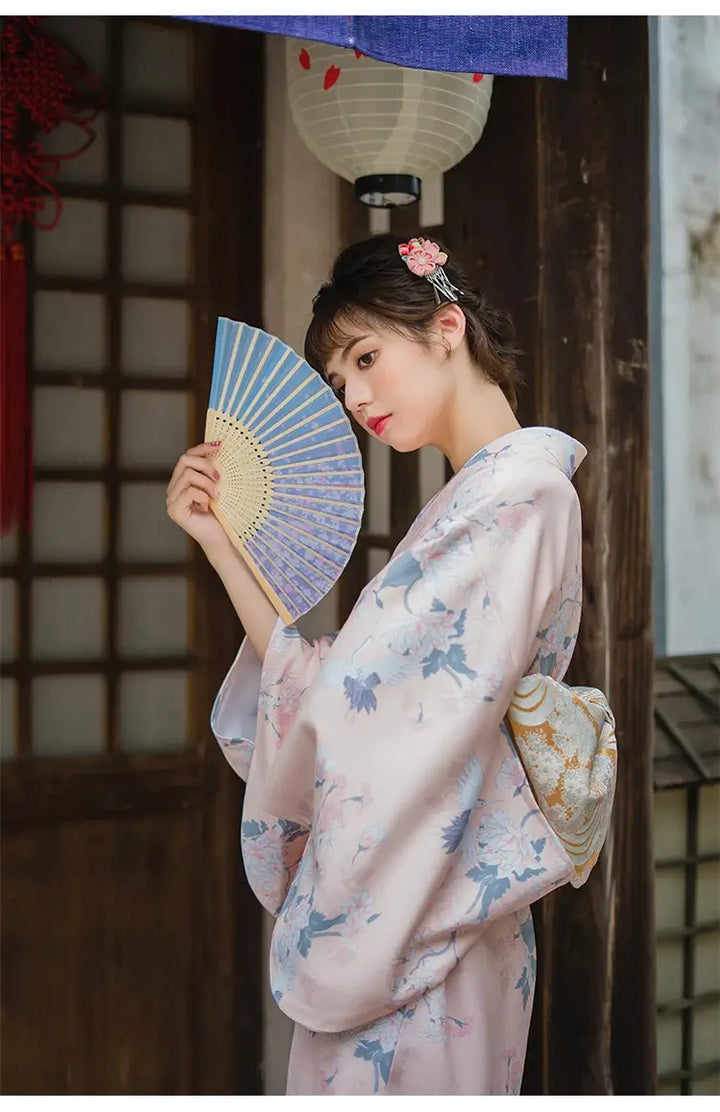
x=388, y=822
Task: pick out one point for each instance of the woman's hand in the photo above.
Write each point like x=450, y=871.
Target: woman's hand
x=192, y=485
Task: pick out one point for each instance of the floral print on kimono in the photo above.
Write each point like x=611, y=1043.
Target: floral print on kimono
x=387, y=819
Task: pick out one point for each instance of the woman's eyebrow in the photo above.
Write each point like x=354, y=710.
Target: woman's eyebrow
x=351, y=344
x=344, y=353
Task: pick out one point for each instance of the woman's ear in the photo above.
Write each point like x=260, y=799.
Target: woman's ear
x=450, y=323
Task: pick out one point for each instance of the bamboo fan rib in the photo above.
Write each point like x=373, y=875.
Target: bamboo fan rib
x=291, y=488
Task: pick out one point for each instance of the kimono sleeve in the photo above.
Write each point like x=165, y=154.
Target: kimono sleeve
x=393, y=890
x=251, y=719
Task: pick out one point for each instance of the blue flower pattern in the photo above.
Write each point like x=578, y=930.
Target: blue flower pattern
x=422, y=655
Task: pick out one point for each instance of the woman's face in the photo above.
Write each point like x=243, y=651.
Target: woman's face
x=384, y=377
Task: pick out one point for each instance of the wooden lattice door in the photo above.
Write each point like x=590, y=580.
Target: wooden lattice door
x=130, y=945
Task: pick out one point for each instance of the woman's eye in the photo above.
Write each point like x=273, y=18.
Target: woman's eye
x=340, y=393
x=366, y=360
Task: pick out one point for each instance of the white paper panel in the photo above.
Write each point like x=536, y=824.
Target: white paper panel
x=154, y=619
x=154, y=428
x=90, y=167
x=707, y=962
x=377, y=559
x=669, y=1042
x=155, y=244
x=156, y=154
x=68, y=619
x=69, y=333
x=669, y=898
x=709, y=820
x=377, y=477
x=432, y=473
x=8, y=617
x=76, y=246
x=706, y=1034
x=8, y=717
x=707, y=899
x=669, y=823
x=669, y=966
x=68, y=521
x=68, y=426
x=155, y=336
x=153, y=711
x=87, y=35
x=68, y=715
x=157, y=63
x=146, y=531
x=9, y=546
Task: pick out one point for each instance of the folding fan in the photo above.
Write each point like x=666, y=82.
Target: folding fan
x=291, y=489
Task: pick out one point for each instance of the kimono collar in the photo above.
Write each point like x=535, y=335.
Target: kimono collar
x=557, y=447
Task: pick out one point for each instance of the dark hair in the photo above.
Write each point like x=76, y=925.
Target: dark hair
x=370, y=283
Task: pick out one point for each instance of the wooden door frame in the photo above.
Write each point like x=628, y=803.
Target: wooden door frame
x=230, y=228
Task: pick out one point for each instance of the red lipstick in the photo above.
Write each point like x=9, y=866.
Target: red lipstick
x=377, y=424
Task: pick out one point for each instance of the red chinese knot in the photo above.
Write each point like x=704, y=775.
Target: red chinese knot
x=42, y=85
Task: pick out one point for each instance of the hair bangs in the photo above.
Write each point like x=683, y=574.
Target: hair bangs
x=331, y=329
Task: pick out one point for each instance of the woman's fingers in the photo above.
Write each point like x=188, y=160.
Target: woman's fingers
x=190, y=499
x=186, y=503
x=191, y=477
x=190, y=480
x=193, y=470
x=195, y=458
x=205, y=449
x=188, y=508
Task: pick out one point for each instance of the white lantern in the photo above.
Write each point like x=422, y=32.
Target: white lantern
x=382, y=126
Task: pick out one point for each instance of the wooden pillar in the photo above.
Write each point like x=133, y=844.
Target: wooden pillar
x=591, y=378
x=550, y=212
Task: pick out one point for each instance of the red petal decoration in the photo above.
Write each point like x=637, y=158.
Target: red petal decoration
x=304, y=59
x=358, y=54
x=331, y=77
x=478, y=77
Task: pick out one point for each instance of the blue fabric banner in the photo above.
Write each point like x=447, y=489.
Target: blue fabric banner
x=531, y=45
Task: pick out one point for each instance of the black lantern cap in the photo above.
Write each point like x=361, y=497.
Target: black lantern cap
x=388, y=190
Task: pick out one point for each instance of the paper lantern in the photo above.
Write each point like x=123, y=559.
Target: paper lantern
x=381, y=126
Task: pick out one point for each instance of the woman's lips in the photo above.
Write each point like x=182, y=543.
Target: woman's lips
x=377, y=424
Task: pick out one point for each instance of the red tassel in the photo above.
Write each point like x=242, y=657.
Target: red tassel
x=15, y=441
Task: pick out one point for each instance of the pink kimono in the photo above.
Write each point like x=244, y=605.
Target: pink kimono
x=388, y=823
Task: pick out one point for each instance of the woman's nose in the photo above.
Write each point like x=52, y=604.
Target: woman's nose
x=357, y=394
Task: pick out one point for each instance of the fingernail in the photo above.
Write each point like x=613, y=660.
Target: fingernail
x=216, y=475
x=215, y=443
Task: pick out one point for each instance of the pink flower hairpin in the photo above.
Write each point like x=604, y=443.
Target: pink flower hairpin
x=424, y=258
